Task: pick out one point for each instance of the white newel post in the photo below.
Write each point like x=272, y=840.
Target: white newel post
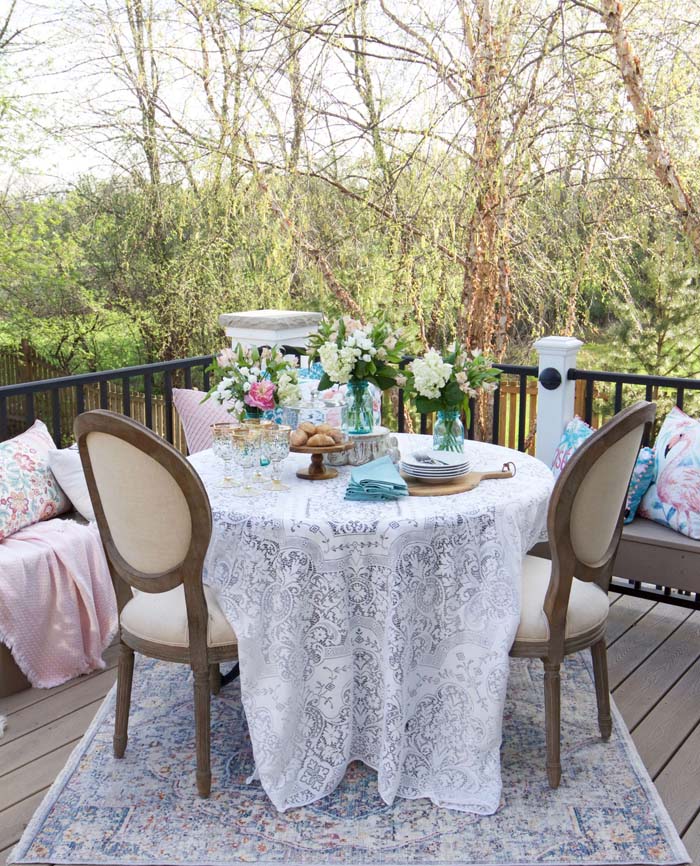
x=270, y=327
x=555, y=393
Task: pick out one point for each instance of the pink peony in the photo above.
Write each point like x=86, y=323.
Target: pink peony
x=261, y=395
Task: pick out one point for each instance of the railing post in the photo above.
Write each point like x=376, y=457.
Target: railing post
x=288, y=328
x=555, y=392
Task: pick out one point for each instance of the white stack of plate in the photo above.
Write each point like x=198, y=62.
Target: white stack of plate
x=431, y=466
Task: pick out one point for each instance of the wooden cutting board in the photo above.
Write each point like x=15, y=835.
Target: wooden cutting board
x=461, y=485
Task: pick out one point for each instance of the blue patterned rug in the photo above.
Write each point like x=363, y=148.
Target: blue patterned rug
x=144, y=810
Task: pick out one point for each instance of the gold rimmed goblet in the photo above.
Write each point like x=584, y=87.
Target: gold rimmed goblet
x=247, y=454
x=258, y=426
x=223, y=448
x=275, y=447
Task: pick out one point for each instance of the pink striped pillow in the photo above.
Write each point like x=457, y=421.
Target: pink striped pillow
x=196, y=417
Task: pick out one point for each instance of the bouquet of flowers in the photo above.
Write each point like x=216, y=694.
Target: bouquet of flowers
x=250, y=380
x=354, y=351
x=445, y=384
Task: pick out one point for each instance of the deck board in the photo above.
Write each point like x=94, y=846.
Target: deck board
x=655, y=672
x=30, y=718
x=691, y=839
x=647, y=685
x=624, y=613
x=632, y=648
x=19, y=701
x=679, y=780
x=664, y=730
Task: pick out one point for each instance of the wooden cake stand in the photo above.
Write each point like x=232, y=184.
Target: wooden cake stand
x=317, y=469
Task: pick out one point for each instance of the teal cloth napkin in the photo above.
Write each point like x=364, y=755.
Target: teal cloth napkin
x=376, y=480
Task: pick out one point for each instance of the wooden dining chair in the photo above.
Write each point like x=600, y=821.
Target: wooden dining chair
x=564, y=605
x=154, y=519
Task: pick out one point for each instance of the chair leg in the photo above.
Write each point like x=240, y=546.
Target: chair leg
x=215, y=679
x=125, y=673
x=552, y=714
x=202, y=725
x=599, y=655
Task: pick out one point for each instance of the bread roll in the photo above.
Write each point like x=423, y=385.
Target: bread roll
x=298, y=437
x=308, y=427
x=337, y=435
x=324, y=428
x=320, y=440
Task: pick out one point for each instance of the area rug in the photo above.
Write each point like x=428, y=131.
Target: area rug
x=144, y=810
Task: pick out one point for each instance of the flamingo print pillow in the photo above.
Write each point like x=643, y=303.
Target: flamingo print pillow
x=674, y=498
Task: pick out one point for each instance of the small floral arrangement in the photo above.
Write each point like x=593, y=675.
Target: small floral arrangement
x=251, y=381
x=447, y=383
x=353, y=351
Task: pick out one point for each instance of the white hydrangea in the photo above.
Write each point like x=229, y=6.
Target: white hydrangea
x=337, y=364
x=430, y=374
x=288, y=391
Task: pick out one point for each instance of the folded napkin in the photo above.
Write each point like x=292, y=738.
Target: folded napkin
x=376, y=480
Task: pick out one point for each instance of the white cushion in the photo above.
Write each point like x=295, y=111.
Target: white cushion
x=588, y=604
x=66, y=466
x=161, y=617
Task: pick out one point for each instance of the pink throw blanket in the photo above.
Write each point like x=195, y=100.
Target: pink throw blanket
x=57, y=607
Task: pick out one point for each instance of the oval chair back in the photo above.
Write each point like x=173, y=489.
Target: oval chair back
x=152, y=512
x=586, y=509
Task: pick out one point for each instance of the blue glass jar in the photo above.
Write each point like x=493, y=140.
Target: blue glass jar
x=358, y=411
x=448, y=432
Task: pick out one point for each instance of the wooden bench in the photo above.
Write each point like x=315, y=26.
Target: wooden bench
x=654, y=554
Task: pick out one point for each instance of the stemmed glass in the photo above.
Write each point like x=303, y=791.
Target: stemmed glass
x=247, y=454
x=258, y=426
x=275, y=447
x=223, y=448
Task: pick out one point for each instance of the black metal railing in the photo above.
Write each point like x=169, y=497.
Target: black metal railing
x=58, y=401
x=616, y=390
x=521, y=374
x=146, y=392
x=138, y=391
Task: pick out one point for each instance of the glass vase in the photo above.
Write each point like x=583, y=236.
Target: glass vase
x=448, y=432
x=358, y=411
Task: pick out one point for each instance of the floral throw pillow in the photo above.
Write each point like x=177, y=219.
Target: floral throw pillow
x=642, y=477
x=575, y=433
x=674, y=498
x=28, y=490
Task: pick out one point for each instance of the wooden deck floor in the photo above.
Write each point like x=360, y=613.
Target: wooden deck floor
x=654, y=658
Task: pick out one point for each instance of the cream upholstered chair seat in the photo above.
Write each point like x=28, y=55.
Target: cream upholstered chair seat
x=587, y=611
x=161, y=617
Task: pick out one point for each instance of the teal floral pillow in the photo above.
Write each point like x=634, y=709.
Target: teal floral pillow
x=642, y=477
x=575, y=434
x=643, y=474
x=28, y=490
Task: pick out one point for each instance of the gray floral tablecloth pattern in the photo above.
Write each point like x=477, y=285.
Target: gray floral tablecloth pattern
x=376, y=631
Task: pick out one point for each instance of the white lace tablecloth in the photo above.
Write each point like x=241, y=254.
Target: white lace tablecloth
x=376, y=631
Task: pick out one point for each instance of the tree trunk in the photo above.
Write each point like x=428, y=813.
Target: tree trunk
x=658, y=156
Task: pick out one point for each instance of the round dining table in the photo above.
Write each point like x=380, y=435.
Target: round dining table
x=376, y=631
